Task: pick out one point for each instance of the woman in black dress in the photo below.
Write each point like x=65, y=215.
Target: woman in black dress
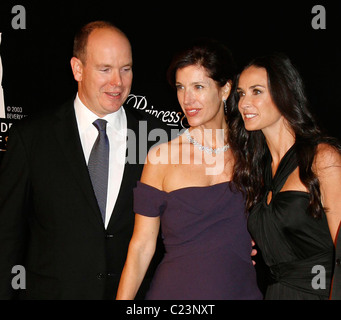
x=292, y=176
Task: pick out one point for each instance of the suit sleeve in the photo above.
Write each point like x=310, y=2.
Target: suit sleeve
x=14, y=204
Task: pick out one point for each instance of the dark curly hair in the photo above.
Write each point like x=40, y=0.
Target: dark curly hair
x=250, y=148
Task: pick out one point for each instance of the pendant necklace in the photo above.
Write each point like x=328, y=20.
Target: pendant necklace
x=203, y=148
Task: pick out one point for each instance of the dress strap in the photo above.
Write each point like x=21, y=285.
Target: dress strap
x=149, y=201
x=286, y=166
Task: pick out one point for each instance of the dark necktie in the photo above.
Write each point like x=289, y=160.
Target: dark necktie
x=99, y=165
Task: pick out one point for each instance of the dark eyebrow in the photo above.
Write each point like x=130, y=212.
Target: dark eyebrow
x=252, y=87
x=256, y=85
x=192, y=83
x=198, y=82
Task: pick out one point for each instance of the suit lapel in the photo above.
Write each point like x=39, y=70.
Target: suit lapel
x=68, y=136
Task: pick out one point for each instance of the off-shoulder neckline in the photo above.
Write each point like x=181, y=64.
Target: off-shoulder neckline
x=185, y=188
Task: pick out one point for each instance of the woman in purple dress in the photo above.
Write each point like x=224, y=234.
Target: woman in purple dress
x=186, y=188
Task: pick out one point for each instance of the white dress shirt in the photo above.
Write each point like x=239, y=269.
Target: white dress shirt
x=117, y=133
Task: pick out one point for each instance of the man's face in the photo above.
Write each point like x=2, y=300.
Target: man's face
x=105, y=78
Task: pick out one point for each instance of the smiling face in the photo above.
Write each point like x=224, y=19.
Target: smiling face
x=105, y=77
x=256, y=106
x=200, y=97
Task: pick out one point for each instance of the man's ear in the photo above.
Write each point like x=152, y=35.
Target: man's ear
x=77, y=68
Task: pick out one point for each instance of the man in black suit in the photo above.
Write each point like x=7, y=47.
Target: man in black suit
x=50, y=220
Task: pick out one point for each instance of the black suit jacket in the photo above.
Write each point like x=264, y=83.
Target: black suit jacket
x=50, y=222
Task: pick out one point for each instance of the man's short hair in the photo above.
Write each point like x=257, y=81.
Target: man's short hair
x=82, y=36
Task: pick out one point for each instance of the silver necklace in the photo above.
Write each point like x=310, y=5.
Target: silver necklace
x=203, y=148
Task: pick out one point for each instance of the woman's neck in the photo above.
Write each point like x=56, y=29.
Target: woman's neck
x=279, y=141
x=210, y=136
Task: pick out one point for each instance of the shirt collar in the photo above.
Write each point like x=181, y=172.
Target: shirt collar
x=85, y=117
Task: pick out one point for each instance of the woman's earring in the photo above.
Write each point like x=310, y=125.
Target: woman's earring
x=225, y=106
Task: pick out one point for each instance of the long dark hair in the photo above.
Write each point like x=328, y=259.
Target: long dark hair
x=250, y=148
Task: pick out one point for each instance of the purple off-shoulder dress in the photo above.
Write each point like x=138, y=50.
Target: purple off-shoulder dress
x=208, y=247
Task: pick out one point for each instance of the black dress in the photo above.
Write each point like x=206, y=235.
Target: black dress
x=297, y=247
